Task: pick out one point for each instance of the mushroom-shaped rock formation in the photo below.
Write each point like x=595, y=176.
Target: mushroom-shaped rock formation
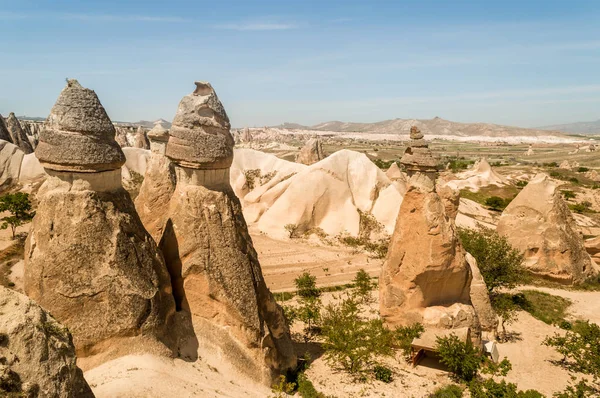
x=311, y=152
x=199, y=137
x=417, y=157
x=539, y=223
x=425, y=277
x=214, y=268
x=78, y=135
x=37, y=353
x=88, y=259
x=158, y=186
x=19, y=138
x=141, y=141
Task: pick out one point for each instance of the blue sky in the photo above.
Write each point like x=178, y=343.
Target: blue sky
x=525, y=63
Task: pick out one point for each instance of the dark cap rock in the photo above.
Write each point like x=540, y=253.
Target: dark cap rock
x=78, y=134
x=199, y=137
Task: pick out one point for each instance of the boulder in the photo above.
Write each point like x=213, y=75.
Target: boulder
x=539, y=223
x=200, y=133
x=88, y=259
x=19, y=138
x=214, y=268
x=311, y=152
x=37, y=356
x=93, y=148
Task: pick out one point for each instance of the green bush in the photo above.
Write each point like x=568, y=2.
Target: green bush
x=580, y=348
x=292, y=230
x=404, y=336
x=306, y=389
x=490, y=388
x=573, y=180
x=306, y=286
x=449, y=391
x=461, y=358
x=383, y=373
x=496, y=203
x=351, y=342
x=309, y=308
x=363, y=285
x=521, y=183
x=583, y=169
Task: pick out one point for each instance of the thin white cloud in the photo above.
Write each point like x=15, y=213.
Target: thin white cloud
x=255, y=26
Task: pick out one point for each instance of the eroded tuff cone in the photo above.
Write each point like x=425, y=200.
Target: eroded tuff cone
x=199, y=137
x=78, y=135
x=4, y=133
x=37, y=353
x=213, y=265
x=89, y=260
x=417, y=157
x=480, y=298
x=426, y=277
x=539, y=223
x=311, y=152
x=19, y=138
x=141, y=141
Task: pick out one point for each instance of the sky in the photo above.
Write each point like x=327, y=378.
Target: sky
x=522, y=63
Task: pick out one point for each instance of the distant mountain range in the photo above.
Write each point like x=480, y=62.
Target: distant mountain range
x=435, y=126
x=576, y=128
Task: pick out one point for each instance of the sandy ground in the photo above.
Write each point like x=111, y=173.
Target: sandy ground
x=283, y=261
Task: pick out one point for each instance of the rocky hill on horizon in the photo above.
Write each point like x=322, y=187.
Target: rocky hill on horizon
x=576, y=128
x=436, y=126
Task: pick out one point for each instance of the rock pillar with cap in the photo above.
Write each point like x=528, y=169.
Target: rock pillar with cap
x=88, y=259
x=213, y=265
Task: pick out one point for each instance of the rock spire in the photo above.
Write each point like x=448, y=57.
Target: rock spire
x=417, y=156
x=311, y=152
x=19, y=138
x=141, y=141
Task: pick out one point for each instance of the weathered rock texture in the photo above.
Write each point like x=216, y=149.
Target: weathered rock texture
x=214, y=268
x=11, y=158
x=78, y=135
x=4, y=133
x=159, y=183
x=539, y=223
x=141, y=141
x=311, y=152
x=18, y=136
x=417, y=157
x=426, y=277
x=37, y=356
x=88, y=258
x=480, y=298
x=199, y=137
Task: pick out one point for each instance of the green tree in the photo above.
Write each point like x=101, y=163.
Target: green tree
x=19, y=207
x=496, y=203
x=363, y=286
x=500, y=264
x=309, y=309
x=350, y=341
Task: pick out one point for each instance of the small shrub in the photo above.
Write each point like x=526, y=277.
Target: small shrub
x=306, y=388
x=462, y=359
x=555, y=174
x=491, y=389
x=578, y=208
x=283, y=296
x=282, y=387
x=583, y=169
x=521, y=183
x=496, y=203
x=580, y=348
x=306, y=285
x=567, y=194
x=292, y=230
x=404, y=336
x=573, y=180
x=251, y=176
x=383, y=373
x=579, y=390
x=363, y=286
x=449, y=391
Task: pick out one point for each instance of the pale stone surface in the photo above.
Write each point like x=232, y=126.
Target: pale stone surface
x=78, y=135
x=479, y=176
x=539, y=223
x=199, y=137
x=10, y=164
x=481, y=298
x=417, y=157
x=311, y=152
x=425, y=277
x=38, y=350
x=395, y=174
x=19, y=138
x=137, y=159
